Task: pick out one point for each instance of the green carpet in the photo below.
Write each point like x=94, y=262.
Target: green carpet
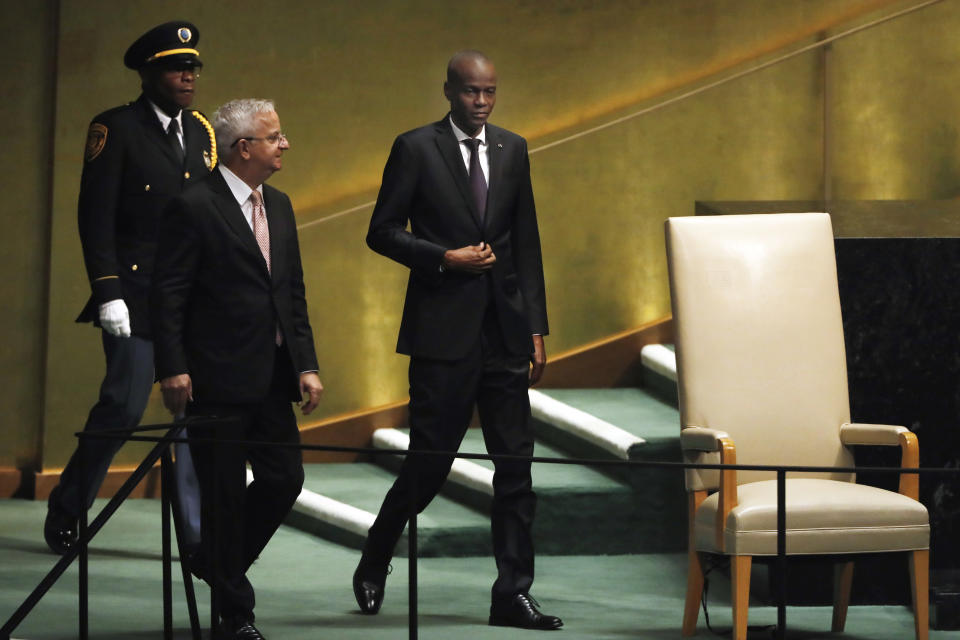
x=303, y=591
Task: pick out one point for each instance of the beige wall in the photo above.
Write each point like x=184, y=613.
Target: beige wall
x=349, y=76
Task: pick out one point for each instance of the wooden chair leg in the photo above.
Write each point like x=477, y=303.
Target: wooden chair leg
x=691, y=608
x=842, y=581
x=740, y=577
x=920, y=592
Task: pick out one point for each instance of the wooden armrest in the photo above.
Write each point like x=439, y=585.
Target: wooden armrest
x=888, y=435
x=701, y=439
x=693, y=438
x=728, y=487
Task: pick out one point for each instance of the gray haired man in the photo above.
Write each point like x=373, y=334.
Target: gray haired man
x=233, y=340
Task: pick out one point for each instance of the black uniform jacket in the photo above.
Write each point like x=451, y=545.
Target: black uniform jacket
x=426, y=184
x=214, y=306
x=130, y=173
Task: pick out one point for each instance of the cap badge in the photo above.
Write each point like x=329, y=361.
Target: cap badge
x=184, y=34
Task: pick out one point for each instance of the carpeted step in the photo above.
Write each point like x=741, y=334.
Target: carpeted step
x=580, y=509
x=659, y=371
x=636, y=412
x=340, y=502
x=468, y=482
x=659, y=495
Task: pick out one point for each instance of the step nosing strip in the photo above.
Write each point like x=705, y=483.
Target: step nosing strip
x=463, y=472
x=659, y=359
x=583, y=425
x=334, y=512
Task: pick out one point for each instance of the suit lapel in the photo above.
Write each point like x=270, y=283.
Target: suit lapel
x=495, y=158
x=275, y=225
x=155, y=132
x=450, y=150
x=230, y=210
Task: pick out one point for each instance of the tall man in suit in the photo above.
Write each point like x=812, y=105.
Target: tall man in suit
x=137, y=157
x=234, y=340
x=473, y=322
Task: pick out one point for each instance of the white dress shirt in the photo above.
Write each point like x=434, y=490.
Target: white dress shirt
x=241, y=191
x=165, y=121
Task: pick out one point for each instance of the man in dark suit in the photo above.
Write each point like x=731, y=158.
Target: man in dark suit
x=234, y=340
x=473, y=322
x=137, y=157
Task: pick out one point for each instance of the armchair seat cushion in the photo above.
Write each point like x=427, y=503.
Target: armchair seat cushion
x=823, y=517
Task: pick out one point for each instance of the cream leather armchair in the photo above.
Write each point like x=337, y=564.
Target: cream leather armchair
x=762, y=380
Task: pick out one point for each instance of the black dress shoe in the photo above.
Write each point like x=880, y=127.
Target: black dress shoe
x=369, y=582
x=59, y=528
x=522, y=612
x=238, y=629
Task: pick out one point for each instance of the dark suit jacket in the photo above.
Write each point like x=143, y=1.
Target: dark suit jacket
x=215, y=307
x=425, y=182
x=130, y=173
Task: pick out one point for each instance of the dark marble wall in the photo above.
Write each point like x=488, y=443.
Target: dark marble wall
x=901, y=314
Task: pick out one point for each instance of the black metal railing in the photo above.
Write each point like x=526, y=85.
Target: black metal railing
x=174, y=434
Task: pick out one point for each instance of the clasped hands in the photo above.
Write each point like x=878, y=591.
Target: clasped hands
x=472, y=258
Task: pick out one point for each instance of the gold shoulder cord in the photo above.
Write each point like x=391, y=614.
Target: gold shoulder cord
x=213, y=138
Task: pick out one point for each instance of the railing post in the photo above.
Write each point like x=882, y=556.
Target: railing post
x=214, y=547
x=165, y=477
x=412, y=558
x=781, y=553
x=83, y=622
x=191, y=597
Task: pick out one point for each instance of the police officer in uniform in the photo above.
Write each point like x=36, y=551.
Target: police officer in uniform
x=137, y=158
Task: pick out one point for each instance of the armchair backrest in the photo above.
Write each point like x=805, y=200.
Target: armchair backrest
x=759, y=336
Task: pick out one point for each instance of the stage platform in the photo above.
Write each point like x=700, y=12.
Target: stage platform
x=303, y=591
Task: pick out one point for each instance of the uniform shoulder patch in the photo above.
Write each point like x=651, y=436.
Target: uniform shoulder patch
x=96, y=141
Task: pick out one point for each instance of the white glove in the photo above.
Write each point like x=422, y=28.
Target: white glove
x=115, y=318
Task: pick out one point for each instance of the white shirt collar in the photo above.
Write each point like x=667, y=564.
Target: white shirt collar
x=164, y=118
x=240, y=189
x=461, y=136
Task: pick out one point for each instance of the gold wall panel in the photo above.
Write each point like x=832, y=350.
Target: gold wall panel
x=894, y=110
x=349, y=76
x=25, y=129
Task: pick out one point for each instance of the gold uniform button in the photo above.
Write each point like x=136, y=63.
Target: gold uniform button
x=133, y=268
x=146, y=187
x=186, y=175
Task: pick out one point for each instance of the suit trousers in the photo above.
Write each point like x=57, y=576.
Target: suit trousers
x=124, y=393
x=442, y=397
x=247, y=516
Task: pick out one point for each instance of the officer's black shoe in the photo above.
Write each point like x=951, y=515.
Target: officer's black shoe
x=522, y=612
x=60, y=527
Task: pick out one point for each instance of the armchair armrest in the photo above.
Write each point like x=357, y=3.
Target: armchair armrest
x=701, y=439
x=714, y=441
x=887, y=435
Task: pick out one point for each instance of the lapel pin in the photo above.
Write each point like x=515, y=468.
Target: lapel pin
x=499, y=145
